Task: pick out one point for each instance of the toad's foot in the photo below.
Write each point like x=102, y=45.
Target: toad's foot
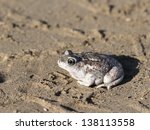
x=104, y=85
x=84, y=83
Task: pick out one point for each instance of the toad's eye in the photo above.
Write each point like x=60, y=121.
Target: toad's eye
x=71, y=61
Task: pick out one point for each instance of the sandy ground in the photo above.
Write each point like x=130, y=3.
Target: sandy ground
x=34, y=33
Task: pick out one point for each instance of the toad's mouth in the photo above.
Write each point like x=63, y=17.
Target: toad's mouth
x=61, y=64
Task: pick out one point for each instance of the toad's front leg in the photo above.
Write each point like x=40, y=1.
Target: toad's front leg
x=88, y=80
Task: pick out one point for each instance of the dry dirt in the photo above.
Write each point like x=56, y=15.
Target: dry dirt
x=34, y=33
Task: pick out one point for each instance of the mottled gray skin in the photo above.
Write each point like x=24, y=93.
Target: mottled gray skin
x=90, y=68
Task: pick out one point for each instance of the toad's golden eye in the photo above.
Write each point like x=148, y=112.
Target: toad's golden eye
x=71, y=61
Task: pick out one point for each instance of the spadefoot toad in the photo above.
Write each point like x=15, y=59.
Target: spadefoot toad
x=90, y=68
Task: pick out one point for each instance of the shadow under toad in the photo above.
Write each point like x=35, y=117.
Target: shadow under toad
x=130, y=66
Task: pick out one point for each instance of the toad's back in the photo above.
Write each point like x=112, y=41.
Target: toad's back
x=98, y=62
